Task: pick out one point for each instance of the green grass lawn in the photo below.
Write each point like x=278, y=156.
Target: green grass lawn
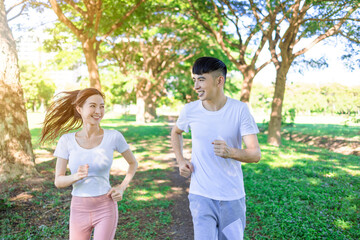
x=294, y=192
x=302, y=192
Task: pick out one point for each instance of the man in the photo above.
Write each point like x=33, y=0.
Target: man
x=218, y=126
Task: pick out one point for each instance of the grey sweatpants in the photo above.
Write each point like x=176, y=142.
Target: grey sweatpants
x=217, y=220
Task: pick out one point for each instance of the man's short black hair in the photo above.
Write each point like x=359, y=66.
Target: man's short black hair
x=209, y=64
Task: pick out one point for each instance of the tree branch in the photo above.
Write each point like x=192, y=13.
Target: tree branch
x=121, y=21
x=55, y=6
x=331, y=19
x=264, y=65
x=332, y=31
x=15, y=5
x=76, y=7
x=216, y=34
x=22, y=9
x=355, y=40
x=236, y=24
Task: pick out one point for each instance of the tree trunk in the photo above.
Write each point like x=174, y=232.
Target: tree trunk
x=16, y=155
x=247, y=85
x=140, y=104
x=274, y=136
x=146, y=108
x=90, y=53
x=150, y=109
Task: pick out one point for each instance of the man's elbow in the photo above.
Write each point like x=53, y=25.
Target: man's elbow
x=174, y=132
x=257, y=156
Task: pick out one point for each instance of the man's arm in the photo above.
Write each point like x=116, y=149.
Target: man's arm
x=251, y=154
x=117, y=192
x=185, y=167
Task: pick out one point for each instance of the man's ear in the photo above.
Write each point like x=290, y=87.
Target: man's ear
x=220, y=80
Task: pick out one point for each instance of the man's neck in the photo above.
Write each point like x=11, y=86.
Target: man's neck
x=215, y=104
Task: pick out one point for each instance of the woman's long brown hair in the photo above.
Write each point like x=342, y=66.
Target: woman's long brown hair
x=62, y=116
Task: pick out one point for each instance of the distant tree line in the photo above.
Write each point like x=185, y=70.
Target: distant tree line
x=309, y=98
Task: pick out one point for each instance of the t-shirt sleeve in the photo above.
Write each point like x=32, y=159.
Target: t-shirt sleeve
x=182, y=122
x=120, y=142
x=62, y=150
x=247, y=123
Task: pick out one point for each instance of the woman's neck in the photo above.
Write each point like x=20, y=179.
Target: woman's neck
x=89, y=131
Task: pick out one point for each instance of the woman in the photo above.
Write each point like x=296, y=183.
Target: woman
x=89, y=154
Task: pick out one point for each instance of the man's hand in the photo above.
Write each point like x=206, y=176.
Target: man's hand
x=186, y=168
x=116, y=194
x=221, y=149
x=82, y=172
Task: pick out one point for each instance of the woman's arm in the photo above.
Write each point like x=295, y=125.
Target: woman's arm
x=62, y=181
x=117, y=192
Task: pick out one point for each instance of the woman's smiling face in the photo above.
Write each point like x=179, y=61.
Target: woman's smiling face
x=93, y=110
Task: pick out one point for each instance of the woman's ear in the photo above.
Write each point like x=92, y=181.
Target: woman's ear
x=78, y=109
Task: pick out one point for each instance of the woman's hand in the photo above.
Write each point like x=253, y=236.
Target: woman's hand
x=116, y=193
x=82, y=172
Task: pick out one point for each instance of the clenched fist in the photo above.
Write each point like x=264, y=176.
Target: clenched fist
x=221, y=149
x=186, y=168
x=82, y=171
x=116, y=194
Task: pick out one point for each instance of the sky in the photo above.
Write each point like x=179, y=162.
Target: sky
x=336, y=71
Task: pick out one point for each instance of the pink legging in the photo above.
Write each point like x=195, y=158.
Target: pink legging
x=87, y=213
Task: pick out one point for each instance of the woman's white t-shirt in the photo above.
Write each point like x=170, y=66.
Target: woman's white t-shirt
x=216, y=177
x=99, y=159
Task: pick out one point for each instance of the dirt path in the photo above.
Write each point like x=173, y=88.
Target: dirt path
x=181, y=227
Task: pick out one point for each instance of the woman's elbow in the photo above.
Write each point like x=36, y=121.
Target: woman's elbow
x=134, y=165
x=56, y=184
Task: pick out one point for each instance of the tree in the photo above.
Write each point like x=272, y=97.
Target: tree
x=293, y=21
x=38, y=88
x=92, y=21
x=240, y=31
x=17, y=158
x=146, y=55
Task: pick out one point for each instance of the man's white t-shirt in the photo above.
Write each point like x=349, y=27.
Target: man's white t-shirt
x=216, y=177
x=99, y=159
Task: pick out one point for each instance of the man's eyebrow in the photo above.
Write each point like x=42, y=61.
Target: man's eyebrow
x=199, y=77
